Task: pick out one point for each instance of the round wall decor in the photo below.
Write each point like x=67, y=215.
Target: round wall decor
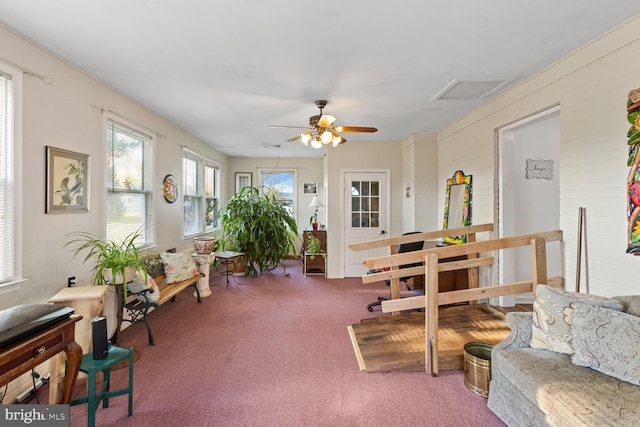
x=170, y=188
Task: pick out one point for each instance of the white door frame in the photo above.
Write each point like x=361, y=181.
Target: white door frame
x=343, y=224
x=502, y=135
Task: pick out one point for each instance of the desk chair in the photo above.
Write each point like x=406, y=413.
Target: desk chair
x=92, y=367
x=402, y=248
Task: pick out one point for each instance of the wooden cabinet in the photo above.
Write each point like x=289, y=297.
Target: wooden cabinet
x=317, y=265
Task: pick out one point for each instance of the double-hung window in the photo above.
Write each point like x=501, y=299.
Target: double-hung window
x=129, y=195
x=201, y=188
x=10, y=183
x=281, y=183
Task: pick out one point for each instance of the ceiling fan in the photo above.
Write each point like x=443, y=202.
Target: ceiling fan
x=321, y=130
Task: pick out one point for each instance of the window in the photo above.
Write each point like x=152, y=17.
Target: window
x=129, y=194
x=365, y=204
x=201, y=189
x=282, y=183
x=10, y=184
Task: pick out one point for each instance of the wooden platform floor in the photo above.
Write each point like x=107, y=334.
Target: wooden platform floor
x=397, y=343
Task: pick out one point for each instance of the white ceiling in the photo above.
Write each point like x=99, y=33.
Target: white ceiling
x=225, y=70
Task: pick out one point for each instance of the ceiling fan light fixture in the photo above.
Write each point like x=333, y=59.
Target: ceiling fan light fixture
x=316, y=143
x=326, y=137
x=335, y=140
x=305, y=138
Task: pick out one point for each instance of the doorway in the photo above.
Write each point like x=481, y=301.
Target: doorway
x=366, y=216
x=529, y=194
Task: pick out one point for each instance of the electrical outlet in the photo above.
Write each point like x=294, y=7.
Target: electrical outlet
x=71, y=281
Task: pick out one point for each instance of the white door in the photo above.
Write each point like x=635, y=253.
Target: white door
x=366, y=202
x=529, y=193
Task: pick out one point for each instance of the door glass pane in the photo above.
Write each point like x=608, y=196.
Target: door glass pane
x=365, y=204
x=375, y=188
x=375, y=204
x=355, y=220
x=375, y=220
x=355, y=204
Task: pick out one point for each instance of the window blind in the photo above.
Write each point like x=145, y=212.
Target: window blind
x=6, y=179
x=128, y=183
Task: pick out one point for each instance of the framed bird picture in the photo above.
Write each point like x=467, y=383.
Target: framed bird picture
x=67, y=181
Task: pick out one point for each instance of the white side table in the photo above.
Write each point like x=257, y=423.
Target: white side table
x=89, y=302
x=203, y=261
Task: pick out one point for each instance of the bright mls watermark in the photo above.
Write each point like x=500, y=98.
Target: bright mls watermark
x=34, y=415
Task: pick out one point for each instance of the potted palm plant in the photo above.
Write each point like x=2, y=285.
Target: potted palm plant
x=257, y=224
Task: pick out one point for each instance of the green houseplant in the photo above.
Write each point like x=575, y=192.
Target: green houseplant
x=257, y=224
x=314, y=247
x=116, y=262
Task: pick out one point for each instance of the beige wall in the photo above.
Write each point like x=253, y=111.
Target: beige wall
x=67, y=114
x=591, y=87
x=367, y=157
x=307, y=170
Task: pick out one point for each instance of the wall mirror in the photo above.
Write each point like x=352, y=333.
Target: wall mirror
x=457, y=206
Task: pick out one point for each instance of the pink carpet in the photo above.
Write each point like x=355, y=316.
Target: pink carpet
x=275, y=351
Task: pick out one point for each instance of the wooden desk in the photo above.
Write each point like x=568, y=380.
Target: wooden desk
x=28, y=353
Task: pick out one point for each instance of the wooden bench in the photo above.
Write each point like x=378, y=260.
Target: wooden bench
x=138, y=309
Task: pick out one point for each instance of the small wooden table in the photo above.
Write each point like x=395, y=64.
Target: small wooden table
x=31, y=351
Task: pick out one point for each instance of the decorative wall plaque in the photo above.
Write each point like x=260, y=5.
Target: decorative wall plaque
x=539, y=168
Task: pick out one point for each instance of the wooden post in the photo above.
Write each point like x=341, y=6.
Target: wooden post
x=431, y=313
x=538, y=263
x=395, y=282
x=472, y=273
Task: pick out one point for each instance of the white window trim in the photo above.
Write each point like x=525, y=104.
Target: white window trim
x=17, y=156
x=204, y=161
x=110, y=115
x=262, y=172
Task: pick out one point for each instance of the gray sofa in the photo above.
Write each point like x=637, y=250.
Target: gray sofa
x=537, y=387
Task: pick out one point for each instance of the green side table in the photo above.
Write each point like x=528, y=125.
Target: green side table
x=92, y=367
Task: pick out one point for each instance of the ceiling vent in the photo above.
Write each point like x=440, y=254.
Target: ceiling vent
x=471, y=89
x=266, y=145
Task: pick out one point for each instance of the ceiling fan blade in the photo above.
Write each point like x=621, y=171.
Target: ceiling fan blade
x=326, y=120
x=290, y=127
x=294, y=138
x=355, y=129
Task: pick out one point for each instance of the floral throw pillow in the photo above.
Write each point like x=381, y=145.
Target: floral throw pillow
x=139, y=284
x=553, y=317
x=178, y=267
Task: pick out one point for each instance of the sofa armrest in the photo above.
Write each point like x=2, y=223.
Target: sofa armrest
x=520, y=336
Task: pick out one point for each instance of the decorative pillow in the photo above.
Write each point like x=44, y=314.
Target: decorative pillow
x=631, y=304
x=178, y=267
x=553, y=317
x=139, y=285
x=607, y=341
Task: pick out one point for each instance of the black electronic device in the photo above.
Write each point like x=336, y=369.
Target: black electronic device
x=99, y=336
x=20, y=321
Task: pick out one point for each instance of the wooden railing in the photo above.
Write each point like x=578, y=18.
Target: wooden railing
x=395, y=260
x=433, y=299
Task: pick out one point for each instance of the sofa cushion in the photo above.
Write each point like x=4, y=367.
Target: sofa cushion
x=575, y=395
x=553, y=316
x=607, y=341
x=631, y=304
x=139, y=284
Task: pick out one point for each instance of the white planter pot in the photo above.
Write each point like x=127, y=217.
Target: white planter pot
x=129, y=273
